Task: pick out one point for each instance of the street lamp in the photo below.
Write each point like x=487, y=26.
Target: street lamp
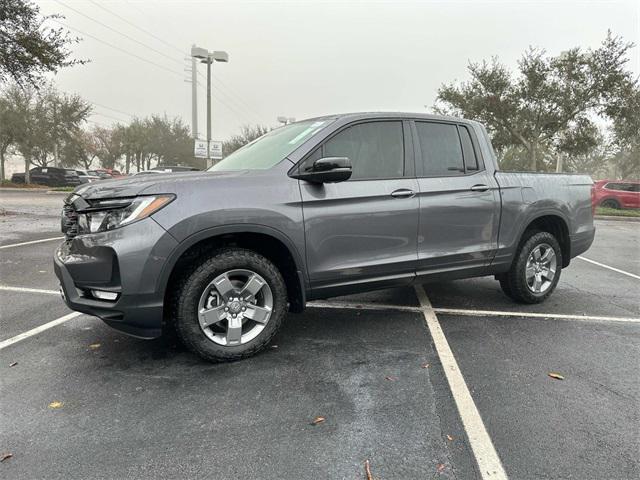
x=208, y=57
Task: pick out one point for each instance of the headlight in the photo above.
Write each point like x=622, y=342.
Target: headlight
x=103, y=215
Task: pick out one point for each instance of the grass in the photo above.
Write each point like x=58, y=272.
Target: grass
x=63, y=189
x=615, y=212
x=10, y=184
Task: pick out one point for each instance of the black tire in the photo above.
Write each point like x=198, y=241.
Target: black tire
x=192, y=284
x=611, y=203
x=514, y=282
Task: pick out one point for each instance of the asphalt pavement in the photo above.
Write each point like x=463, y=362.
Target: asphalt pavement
x=130, y=408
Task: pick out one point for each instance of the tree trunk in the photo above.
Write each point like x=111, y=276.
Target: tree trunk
x=27, y=164
x=532, y=157
x=127, y=162
x=2, y=151
x=559, y=163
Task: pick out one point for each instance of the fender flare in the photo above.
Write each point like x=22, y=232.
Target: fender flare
x=217, y=231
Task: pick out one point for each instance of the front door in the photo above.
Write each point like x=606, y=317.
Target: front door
x=363, y=231
x=459, y=200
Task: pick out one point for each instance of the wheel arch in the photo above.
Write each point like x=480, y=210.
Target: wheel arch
x=557, y=225
x=610, y=198
x=264, y=240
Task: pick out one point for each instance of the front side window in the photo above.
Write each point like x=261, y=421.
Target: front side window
x=376, y=149
x=271, y=148
x=441, y=149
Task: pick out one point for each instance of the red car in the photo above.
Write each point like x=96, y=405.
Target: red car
x=110, y=171
x=617, y=193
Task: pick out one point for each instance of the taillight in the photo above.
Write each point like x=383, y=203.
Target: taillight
x=593, y=199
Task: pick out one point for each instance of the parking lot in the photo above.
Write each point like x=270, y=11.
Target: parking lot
x=448, y=380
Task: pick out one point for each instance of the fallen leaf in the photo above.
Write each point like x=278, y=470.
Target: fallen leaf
x=390, y=378
x=318, y=420
x=6, y=456
x=367, y=470
x=425, y=365
x=13, y=364
x=93, y=346
x=557, y=376
x=441, y=467
x=450, y=438
x=56, y=404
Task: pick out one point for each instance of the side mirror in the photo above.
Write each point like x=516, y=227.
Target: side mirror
x=326, y=170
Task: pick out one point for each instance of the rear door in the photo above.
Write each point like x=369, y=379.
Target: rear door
x=364, y=230
x=458, y=199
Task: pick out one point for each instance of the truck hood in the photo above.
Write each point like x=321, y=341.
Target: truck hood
x=136, y=185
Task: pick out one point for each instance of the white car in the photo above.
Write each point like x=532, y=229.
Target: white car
x=86, y=177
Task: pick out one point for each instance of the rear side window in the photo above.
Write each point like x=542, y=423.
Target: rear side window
x=441, y=149
x=376, y=149
x=470, y=158
x=623, y=187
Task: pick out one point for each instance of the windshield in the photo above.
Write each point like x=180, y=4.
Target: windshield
x=271, y=148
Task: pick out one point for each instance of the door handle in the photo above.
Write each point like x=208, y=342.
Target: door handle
x=479, y=188
x=403, y=193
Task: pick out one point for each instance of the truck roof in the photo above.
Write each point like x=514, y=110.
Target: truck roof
x=407, y=115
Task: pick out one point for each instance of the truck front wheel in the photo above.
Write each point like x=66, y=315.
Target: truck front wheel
x=229, y=306
x=535, y=271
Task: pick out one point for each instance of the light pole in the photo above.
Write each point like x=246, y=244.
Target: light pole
x=209, y=57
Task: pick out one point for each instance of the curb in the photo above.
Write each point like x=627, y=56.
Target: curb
x=617, y=218
x=30, y=190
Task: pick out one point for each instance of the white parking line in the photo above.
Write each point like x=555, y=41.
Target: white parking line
x=28, y=290
x=632, y=275
x=484, y=452
x=40, y=329
x=31, y=242
x=562, y=316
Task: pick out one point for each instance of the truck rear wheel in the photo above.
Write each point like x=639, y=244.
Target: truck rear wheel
x=535, y=271
x=230, y=306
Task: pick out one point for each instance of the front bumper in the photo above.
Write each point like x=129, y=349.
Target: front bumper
x=127, y=261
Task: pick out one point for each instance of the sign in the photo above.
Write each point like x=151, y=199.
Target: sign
x=215, y=150
x=200, y=149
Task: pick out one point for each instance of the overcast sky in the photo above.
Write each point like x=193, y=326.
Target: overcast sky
x=304, y=58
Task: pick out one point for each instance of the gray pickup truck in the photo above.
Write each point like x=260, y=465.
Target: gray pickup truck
x=318, y=208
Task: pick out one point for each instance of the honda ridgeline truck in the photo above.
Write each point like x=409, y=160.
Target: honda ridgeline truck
x=314, y=209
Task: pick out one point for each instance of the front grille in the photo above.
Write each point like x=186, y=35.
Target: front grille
x=69, y=221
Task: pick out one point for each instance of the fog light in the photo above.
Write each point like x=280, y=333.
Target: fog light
x=102, y=295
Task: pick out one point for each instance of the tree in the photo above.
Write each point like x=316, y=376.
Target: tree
x=81, y=149
x=626, y=130
x=63, y=116
x=28, y=48
x=28, y=114
x=247, y=134
x=550, y=104
x=109, y=145
x=42, y=120
x=8, y=125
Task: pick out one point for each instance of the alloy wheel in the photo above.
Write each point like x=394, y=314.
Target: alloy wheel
x=541, y=268
x=235, y=307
